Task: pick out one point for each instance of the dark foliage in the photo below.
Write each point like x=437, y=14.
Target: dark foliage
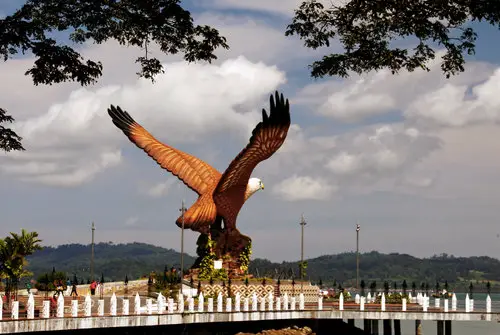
x=367, y=30
x=115, y=261
x=129, y=22
x=392, y=267
x=9, y=140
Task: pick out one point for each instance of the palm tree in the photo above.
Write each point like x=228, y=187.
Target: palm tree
x=13, y=252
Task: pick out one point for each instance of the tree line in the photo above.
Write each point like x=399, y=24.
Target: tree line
x=136, y=260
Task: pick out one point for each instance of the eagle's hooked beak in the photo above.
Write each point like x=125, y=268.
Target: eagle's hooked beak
x=261, y=185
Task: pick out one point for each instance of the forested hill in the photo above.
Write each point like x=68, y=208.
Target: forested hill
x=137, y=259
x=375, y=266
x=114, y=261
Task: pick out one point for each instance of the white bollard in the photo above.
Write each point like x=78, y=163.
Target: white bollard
x=125, y=307
x=293, y=304
x=112, y=305
x=246, y=303
x=262, y=304
x=467, y=303
x=191, y=305
x=87, y=306
x=219, y=302
x=341, y=302
x=180, y=304
x=271, y=301
x=437, y=302
x=446, y=302
x=46, y=309
x=237, y=302
x=30, y=307
x=285, y=302
x=453, y=302
x=362, y=303
x=201, y=303
x=100, y=307
x=149, y=306
x=301, y=301
x=210, y=307
x=160, y=303
x=170, y=305
x=74, y=308
x=368, y=297
x=228, y=305
x=15, y=310
x=357, y=299
x=137, y=304
x=382, y=303
x=278, y=303
x=488, y=304
x=60, y=306
x=403, y=305
x=254, y=302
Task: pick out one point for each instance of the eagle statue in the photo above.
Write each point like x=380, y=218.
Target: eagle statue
x=220, y=196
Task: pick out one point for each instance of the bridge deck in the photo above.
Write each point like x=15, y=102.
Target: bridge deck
x=55, y=324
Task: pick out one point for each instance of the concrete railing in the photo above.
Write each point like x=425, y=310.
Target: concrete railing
x=200, y=304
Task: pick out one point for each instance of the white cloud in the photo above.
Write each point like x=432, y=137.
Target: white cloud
x=75, y=140
x=131, y=221
x=67, y=170
x=304, y=188
x=453, y=106
x=377, y=93
x=363, y=160
x=257, y=40
x=380, y=151
x=160, y=189
x=282, y=7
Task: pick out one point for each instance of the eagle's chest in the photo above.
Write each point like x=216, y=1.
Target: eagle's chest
x=229, y=204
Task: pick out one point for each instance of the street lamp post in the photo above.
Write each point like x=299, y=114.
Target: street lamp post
x=357, y=256
x=183, y=210
x=92, y=255
x=302, y=224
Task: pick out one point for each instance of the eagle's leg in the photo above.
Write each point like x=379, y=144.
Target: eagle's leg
x=230, y=244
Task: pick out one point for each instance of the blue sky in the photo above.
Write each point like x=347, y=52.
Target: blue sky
x=407, y=156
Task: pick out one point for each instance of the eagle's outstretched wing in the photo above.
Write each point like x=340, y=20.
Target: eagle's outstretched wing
x=195, y=173
x=267, y=137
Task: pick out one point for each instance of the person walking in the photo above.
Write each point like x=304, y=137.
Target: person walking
x=73, y=290
x=93, y=286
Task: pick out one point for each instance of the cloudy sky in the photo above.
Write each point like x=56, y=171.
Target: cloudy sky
x=413, y=158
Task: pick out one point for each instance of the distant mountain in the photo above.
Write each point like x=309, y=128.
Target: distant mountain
x=114, y=261
x=375, y=266
x=138, y=259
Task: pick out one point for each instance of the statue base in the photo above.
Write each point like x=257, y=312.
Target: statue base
x=229, y=246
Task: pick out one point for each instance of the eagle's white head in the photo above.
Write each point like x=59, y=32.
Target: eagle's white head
x=254, y=184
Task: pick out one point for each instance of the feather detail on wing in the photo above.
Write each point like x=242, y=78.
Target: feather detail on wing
x=195, y=173
x=200, y=215
x=267, y=137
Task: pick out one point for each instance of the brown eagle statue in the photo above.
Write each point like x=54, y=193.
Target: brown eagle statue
x=220, y=196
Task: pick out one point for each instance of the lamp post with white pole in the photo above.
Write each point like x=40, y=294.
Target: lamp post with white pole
x=302, y=224
x=183, y=210
x=357, y=256
x=92, y=255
